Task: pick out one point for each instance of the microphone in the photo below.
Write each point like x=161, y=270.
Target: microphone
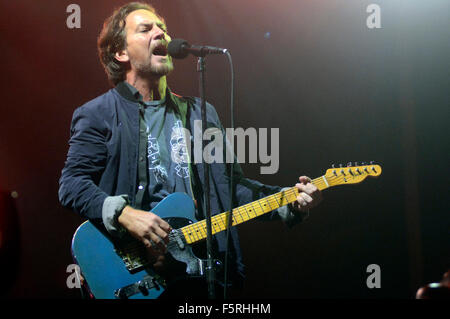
x=179, y=49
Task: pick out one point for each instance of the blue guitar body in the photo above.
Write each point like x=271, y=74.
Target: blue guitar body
x=109, y=268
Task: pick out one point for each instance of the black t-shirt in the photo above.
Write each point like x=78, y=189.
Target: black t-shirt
x=167, y=152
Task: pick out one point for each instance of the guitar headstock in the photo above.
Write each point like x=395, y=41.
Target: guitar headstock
x=351, y=174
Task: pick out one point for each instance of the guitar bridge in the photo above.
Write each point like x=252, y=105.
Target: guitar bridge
x=133, y=256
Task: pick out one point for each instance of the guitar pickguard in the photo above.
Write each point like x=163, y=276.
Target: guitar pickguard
x=181, y=251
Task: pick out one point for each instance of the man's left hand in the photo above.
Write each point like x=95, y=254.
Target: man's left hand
x=309, y=195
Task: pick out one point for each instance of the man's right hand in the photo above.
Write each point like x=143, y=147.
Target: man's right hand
x=147, y=227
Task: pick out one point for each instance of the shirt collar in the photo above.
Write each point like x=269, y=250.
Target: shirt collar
x=135, y=93
x=172, y=101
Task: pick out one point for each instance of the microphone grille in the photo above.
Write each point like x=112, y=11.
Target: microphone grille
x=177, y=50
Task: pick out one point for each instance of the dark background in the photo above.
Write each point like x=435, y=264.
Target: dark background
x=337, y=91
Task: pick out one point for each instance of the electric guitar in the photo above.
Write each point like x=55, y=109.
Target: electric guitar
x=120, y=269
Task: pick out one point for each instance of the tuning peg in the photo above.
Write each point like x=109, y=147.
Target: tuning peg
x=371, y=162
x=340, y=165
x=349, y=164
x=363, y=163
x=332, y=165
x=356, y=163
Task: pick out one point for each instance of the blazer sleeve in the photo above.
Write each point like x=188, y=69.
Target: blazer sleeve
x=86, y=160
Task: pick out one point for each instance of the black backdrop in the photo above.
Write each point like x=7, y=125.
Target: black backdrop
x=337, y=90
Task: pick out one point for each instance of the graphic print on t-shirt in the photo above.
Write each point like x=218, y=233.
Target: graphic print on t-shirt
x=179, y=153
x=154, y=160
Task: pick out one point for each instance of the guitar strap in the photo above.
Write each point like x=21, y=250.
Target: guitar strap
x=197, y=188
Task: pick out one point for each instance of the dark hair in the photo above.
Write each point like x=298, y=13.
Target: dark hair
x=112, y=39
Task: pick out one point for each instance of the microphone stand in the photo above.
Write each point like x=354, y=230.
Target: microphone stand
x=210, y=270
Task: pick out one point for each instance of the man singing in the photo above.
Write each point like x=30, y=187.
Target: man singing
x=120, y=163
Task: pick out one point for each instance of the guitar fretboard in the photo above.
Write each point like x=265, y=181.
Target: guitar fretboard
x=197, y=231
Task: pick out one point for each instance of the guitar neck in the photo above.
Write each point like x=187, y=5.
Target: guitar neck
x=197, y=231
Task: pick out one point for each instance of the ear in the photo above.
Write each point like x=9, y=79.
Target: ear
x=122, y=56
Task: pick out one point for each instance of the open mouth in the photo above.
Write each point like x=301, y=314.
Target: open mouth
x=160, y=50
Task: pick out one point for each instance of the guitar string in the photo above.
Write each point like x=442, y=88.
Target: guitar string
x=271, y=198
x=199, y=228
x=319, y=180
x=247, y=209
x=200, y=224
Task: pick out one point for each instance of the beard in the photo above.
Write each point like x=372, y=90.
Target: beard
x=154, y=69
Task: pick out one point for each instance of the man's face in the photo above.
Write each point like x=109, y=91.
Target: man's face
x=147, y=41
